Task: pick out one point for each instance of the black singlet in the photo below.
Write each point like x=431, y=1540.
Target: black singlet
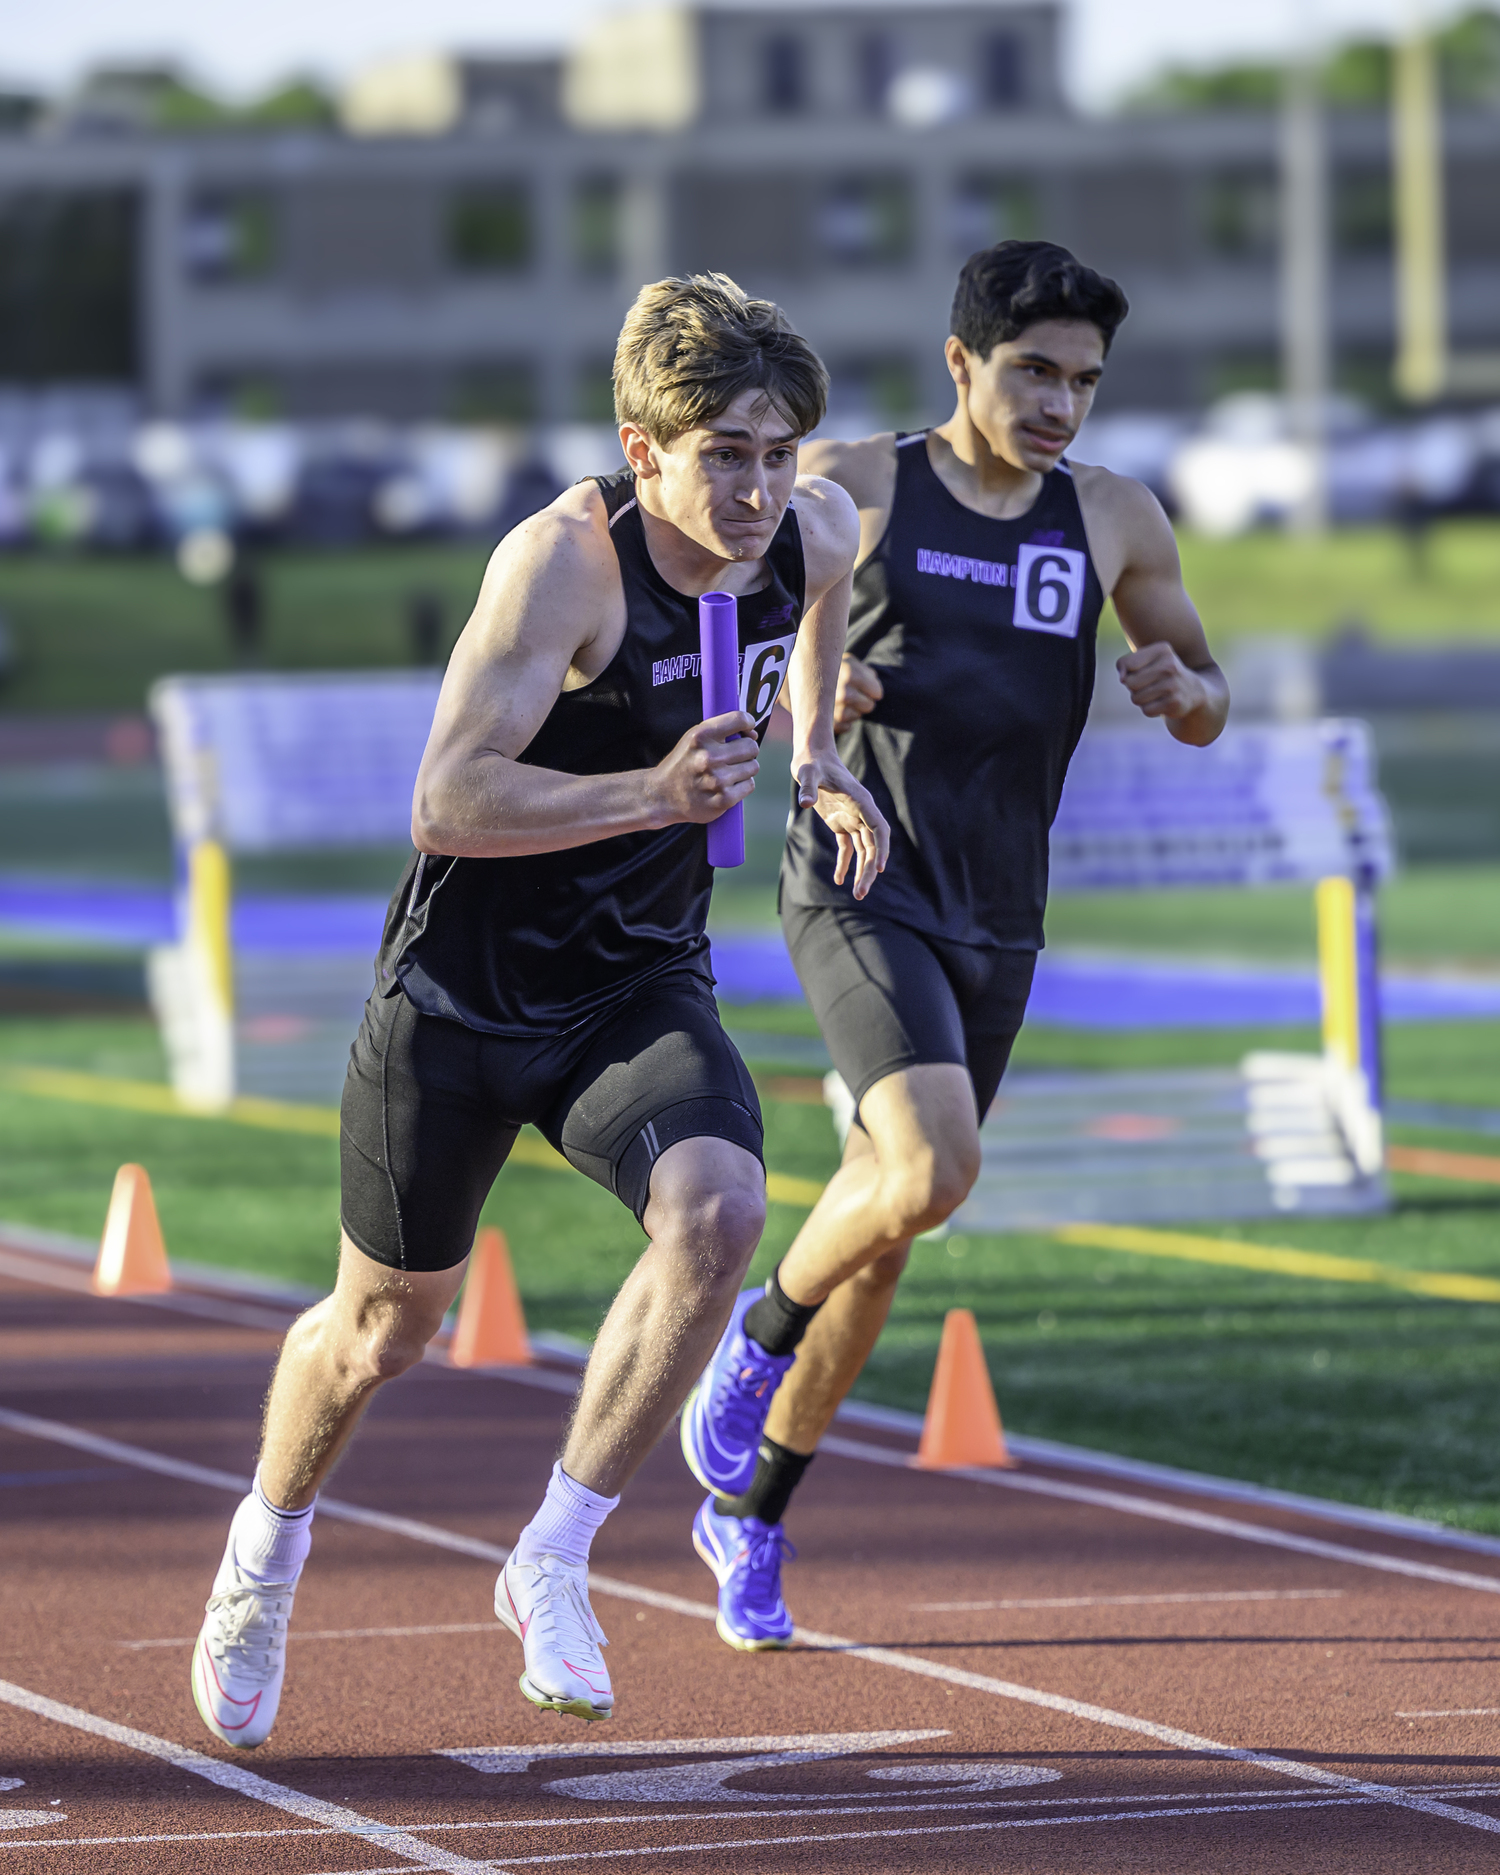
x=543, y=942
x=983, y=634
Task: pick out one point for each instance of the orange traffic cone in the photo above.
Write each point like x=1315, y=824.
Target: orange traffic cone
x=962, y=1426
x=132, y=1257
x=491, y=1329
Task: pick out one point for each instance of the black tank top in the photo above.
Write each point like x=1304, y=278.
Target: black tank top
x=540, y=943
x=983, y=634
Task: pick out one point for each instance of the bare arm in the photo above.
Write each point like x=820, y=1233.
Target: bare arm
x=1169, y=669
x=543, y=623
x=830, y=533
x=866, y=471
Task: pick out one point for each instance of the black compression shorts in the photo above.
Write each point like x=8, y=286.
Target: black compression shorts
x=431, y=1110
x=888, y=997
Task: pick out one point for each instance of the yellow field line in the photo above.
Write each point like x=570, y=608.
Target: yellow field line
x=286, y=1116
x=1304, y=1263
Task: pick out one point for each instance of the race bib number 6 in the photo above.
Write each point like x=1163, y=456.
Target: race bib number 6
x=763, y=670
x=1049, y=590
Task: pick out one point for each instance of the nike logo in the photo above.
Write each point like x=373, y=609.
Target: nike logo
x=228, y=1698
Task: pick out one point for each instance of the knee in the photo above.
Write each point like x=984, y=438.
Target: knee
x=725, y=1222
x=924, y=1190
x=387, y=1340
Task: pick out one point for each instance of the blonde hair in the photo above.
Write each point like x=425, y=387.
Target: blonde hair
x=690, y=345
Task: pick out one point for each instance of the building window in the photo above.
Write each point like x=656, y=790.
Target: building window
x=874, y=68
x=503, y=391
x=1362, y=211
x=785, y=76
x=866, y=222
x=489, y=229
x=1003, y=64
x=596, y=226
x=987, y=209
x=68, y=300
x=229, y=237
x=1241, y=213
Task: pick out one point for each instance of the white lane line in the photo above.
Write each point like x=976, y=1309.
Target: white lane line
x=879, y=1656
x=246, y=1783
x=1455, y=1712
x=871, y=1835
x=1206, y=1800
x=1094, y=1601
x=345, y=1634
x=239, y=1483
x=1152, y=1507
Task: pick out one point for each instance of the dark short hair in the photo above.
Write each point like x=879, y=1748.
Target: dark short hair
x=690, y=345
x=1015, y=284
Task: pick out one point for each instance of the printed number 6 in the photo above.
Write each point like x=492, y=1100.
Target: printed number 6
x=1058, y=594
x=764, y=680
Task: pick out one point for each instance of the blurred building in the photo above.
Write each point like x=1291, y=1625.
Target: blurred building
x=464, y=245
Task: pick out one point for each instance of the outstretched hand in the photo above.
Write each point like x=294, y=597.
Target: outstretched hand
x=846, y=809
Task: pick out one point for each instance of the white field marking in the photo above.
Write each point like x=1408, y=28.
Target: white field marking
x=882, y=1656
x=1152, y=1507
x=31, y=1819
x=1204, y=1802
x=518, y=1758
x=345, y=1634
x=1098, y=1601
x=246, y=1783
x=869, y=1835
x=1455, y=1712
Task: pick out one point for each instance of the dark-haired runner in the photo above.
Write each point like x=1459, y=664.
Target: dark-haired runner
x=984, y=562
x=544, y=960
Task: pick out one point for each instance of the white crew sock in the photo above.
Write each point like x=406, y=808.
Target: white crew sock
x=271, y=1544
x=564, y=1526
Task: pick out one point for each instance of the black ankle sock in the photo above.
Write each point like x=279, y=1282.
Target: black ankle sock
x=778, y=1472
x=776, y=1323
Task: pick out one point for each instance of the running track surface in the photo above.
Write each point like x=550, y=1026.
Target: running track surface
x=1042, y=1675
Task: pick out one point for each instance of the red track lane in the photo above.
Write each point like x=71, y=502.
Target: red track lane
x=794, y=1761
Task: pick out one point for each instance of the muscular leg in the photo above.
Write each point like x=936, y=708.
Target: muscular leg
x=373, y=1327
x=906, y=1168
x=704, y=1219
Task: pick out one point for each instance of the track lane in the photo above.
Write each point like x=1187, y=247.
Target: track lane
x=365, y=1716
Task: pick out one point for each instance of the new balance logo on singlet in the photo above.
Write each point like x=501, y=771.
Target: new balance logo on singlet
x=1048, y=582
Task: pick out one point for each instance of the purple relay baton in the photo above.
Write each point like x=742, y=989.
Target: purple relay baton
x=719, y=636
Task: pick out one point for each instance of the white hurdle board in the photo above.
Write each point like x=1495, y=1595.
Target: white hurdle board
x=262, y=764
x=1278, y=804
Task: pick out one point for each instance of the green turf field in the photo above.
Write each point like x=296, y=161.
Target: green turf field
x=93, y=632
x=1352, y=1392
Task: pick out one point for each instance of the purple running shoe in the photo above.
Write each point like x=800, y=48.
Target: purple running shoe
x=726, y=1412
x=746, y=1557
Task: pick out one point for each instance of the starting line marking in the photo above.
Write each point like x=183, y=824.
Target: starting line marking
x=833, y=1643
x=1175, y=1803
x=246, y=1783
x=1081, y=1601
x=1455, y=1712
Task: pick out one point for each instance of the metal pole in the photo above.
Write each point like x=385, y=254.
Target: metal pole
x=1305, y=345
x=1421, y=244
